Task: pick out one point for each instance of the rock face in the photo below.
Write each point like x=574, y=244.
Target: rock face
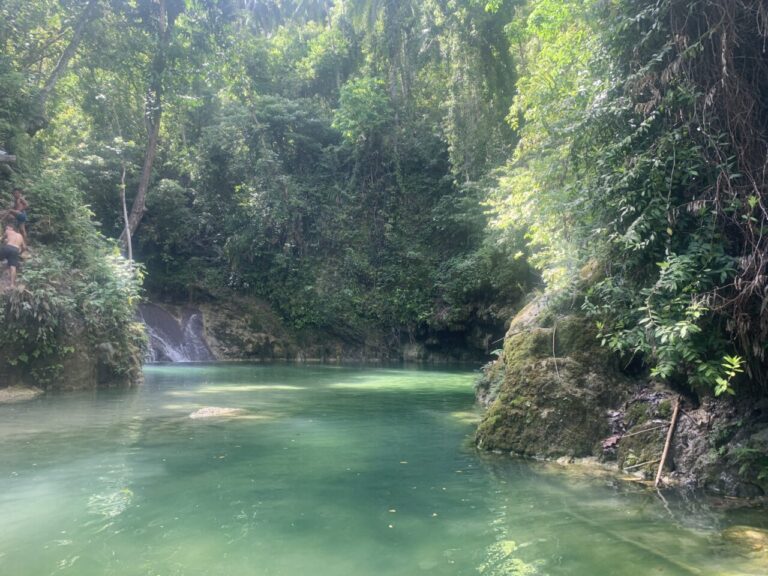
x=555, y=392
x=722, y=445
x=552, y=390
x=85, y=364
x=240, y=328
x=232, y=328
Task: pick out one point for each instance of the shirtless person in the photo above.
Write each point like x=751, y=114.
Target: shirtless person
x=19, y=210
x=11, y=250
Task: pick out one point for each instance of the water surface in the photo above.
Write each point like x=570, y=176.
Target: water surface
x=327, y=471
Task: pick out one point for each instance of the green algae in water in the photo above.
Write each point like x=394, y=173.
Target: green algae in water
x=322, y=471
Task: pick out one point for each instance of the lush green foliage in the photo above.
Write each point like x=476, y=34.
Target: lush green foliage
x=76, y=294
x=338, y=159
x=330, y=159
x=635, y=155
x=76, y=289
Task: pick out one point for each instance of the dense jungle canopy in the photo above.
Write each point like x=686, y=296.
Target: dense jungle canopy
x=414, y=168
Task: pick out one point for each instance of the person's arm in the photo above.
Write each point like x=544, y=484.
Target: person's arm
x=24, y=203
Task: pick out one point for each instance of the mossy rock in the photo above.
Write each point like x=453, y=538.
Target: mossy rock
x=530, y=315
x=552, y=408
x=664, y=409
x=558, y=386
x=567, y=336
x=240, y=328
x=637, y=413
x=577, y=336
x=522, y=348
x=489, y=382
x=243, y=329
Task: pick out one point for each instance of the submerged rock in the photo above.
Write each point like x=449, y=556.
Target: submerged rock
x=13, y=394
x=216, y=412
x=747, y=538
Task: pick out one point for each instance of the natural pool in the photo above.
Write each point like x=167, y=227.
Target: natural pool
x=327, y=471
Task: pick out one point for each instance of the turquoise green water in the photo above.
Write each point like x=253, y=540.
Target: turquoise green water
x=327, y=471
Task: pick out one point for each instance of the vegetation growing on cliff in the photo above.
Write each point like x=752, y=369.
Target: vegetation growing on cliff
x=76, y=294
x=339, y=159
x=643, y=144
x=331, y=158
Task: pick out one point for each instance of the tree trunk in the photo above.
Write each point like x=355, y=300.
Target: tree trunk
x=127, y=228
x=153, y=115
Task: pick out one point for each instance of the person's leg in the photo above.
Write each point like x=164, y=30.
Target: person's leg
x=21, y=223
x=13, y=275
x=3, y=258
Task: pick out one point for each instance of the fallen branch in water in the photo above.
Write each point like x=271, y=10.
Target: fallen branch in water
x=641, y=464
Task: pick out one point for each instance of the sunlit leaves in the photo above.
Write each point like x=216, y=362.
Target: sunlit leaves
x=364, y=108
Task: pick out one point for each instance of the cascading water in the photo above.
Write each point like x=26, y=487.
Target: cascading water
x=172, y=339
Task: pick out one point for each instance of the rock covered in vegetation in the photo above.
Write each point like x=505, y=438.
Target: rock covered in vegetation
x=243, y=328
x=555, y=392
x=79, y=364
x=553, y=388
x=59, y=335
x=69, y=321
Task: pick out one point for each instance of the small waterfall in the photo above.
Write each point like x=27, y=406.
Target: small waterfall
x=174, y=340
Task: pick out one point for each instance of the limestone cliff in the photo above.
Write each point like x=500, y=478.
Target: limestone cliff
x=78, y=362
x=235, y=327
